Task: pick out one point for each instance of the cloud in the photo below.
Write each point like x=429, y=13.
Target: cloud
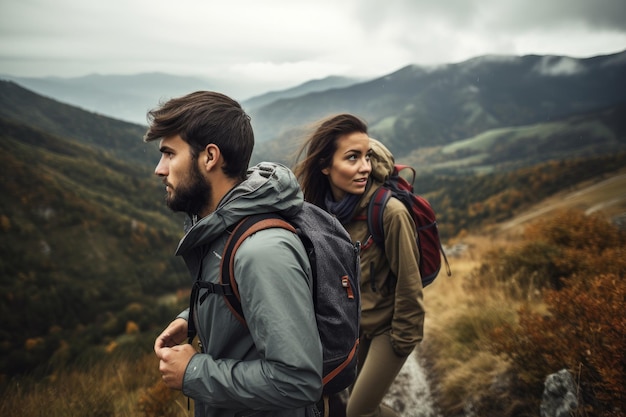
x=286, y=42
x=513, y=15
x=558, y=66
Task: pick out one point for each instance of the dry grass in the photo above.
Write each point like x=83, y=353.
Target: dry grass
x=458, y=323
x=119, y=387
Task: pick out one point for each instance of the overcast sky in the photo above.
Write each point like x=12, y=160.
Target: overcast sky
x=282, y=43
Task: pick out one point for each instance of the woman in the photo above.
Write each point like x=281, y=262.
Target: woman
x=342, y=169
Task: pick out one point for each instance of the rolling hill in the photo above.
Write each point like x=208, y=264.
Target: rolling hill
x=598, y=132
x=606, y=194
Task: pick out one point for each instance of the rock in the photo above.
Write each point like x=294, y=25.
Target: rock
x=559, y=395
x=410, y=393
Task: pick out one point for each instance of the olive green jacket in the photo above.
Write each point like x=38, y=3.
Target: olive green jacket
x=393, y=300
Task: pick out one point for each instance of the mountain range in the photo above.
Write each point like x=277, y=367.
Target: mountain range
x=418, y=108
x=434, y=117
x=86, y=242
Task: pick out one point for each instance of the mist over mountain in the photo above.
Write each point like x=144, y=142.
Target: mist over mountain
x=312, y=86
x=124, y=97
x=130, y=97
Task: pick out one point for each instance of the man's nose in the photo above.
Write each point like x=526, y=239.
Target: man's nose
x=161, y=169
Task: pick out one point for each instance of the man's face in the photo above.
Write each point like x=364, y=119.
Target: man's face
x=186, y=189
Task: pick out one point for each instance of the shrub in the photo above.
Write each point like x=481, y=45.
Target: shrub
x=585, y=327
x=587, y=245
x=519, y=273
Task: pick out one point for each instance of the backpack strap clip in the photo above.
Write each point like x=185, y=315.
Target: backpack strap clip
x=212, y=288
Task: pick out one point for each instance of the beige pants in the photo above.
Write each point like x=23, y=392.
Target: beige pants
x=378, y=367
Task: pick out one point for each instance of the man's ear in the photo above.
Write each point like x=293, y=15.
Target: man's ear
x=211, y=156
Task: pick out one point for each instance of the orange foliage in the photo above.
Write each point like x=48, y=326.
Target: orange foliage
x=33, y=343
x=5, y=223
x=588, y=244
x=110, y=348
x=132, y=327
x=596, y=307
x=585, y=329
x=157, y=401
x=584, y=333
x=573, y=229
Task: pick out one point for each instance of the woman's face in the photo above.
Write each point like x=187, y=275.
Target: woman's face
x=350, y=166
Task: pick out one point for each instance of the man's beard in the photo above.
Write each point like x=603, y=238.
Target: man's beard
x=191, y=196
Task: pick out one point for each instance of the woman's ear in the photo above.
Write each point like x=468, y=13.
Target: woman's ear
x=323, y=163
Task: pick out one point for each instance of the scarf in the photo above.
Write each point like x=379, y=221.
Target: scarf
x=342, y=209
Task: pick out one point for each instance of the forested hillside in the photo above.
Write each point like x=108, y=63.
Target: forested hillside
x=112, y=136
x=86, y=241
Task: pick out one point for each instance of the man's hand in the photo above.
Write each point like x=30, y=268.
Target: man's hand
x=173, y=356
x=173, y=363
x=173, y=335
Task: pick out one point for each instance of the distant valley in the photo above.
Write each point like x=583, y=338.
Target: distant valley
x=129, y=97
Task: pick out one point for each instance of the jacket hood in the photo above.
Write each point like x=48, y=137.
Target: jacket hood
x=269, y=187
x=382, y=161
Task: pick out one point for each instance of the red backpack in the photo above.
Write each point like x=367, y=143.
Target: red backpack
x=428, y=241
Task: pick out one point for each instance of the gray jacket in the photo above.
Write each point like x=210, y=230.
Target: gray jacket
x=272, y=367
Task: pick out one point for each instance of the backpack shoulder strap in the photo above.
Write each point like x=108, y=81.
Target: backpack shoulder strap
x=410, y=178
x=396, y=183
x=375, y=214
x=244, y=228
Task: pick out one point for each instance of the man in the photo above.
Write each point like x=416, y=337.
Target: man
x=273, y=365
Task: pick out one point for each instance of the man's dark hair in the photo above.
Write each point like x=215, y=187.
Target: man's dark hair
x=206, y=117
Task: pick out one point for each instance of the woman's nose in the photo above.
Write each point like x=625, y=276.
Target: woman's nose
x=366, y=166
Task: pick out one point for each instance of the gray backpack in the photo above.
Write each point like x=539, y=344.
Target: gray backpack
x=335, y=262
